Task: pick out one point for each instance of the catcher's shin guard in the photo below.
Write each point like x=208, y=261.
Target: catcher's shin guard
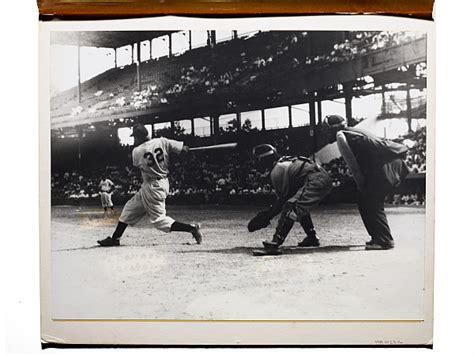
x=283, y=228
x=311, y=239
x=307, y=225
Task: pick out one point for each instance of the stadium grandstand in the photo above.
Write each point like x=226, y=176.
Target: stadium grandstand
x=259, y=86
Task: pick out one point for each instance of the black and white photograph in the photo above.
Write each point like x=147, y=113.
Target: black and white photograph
x=235, y=173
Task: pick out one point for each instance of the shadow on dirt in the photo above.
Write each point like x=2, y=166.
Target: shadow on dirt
x=78, y=248
x=284, y=250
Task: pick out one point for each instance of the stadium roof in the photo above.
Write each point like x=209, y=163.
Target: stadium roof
x=104, y=39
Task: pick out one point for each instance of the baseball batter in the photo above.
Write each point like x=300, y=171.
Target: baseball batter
x=151, y=156
x=106, y=188
x=299, y=183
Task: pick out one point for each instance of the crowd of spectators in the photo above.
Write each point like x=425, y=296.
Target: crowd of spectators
x=361, y=43
x=197, y=173
x=284, y=50
x=75, y=185
x=416, y=157
x=339, y=171
x=406, y=199
x=239, y=61
x=222, y=173
x=226, y=173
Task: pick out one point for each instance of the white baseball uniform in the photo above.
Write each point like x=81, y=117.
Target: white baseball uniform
x=105, y=192
x=152, y=158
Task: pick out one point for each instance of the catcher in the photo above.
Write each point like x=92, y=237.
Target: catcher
x=299, y=183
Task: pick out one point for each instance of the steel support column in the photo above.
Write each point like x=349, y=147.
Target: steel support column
x=348, y=104
x=238, y=117
x=170, y=47
x=312, y=110
x=384, y=104
x=139, y=83
x=290, y=116
x=320, y=112
x=409, y=113
x=78, y=73
x=173, y=128
x=215, y=123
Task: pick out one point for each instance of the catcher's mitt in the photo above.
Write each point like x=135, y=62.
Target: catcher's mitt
x=260, y=221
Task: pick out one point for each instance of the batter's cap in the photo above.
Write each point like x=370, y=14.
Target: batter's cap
x=264, y=150
x=334, y=120
x=139, y=130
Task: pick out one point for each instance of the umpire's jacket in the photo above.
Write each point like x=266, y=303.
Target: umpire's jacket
x=380, y=160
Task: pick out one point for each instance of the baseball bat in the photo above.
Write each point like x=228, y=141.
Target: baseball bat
x=216, y=146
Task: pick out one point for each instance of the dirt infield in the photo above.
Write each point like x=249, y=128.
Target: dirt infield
x=154, y=275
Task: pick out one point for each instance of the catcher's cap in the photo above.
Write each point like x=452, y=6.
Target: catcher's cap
x=264, y=150
x=139, y=130
x=335, y=120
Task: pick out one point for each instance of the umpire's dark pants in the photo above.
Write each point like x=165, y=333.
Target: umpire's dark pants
x=371, y=208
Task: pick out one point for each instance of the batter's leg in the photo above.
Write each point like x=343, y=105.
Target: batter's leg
x=194, y=229
x=132, y=212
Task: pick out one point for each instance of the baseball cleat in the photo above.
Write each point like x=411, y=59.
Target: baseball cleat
x=309, y=241
x=197, y=234
x=375, y=246
x=270, y=245
x=109, y=242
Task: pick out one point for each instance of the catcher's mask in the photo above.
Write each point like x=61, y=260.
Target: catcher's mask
x=332, y=124
x=334, y=121
x=264, y=150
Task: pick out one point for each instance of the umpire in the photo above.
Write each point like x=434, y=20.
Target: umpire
x=377, y=166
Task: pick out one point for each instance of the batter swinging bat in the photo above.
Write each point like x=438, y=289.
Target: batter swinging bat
x=216, y=146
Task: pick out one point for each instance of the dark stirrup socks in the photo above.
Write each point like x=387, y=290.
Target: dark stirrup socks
x=119, y=230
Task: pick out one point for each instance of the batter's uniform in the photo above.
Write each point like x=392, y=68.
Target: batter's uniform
x=152, y=158
x=300, y=182
x=105, y=187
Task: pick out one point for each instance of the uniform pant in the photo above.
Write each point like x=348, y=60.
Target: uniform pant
x=371, y=208
x=149, y=201
x=317, y=185
x=106, y=199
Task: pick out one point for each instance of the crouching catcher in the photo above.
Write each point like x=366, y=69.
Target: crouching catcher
x=300, y=184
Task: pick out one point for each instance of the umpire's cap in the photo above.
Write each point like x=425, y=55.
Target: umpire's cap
x=139, y=131
x=264, y=150
x=335, y=120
